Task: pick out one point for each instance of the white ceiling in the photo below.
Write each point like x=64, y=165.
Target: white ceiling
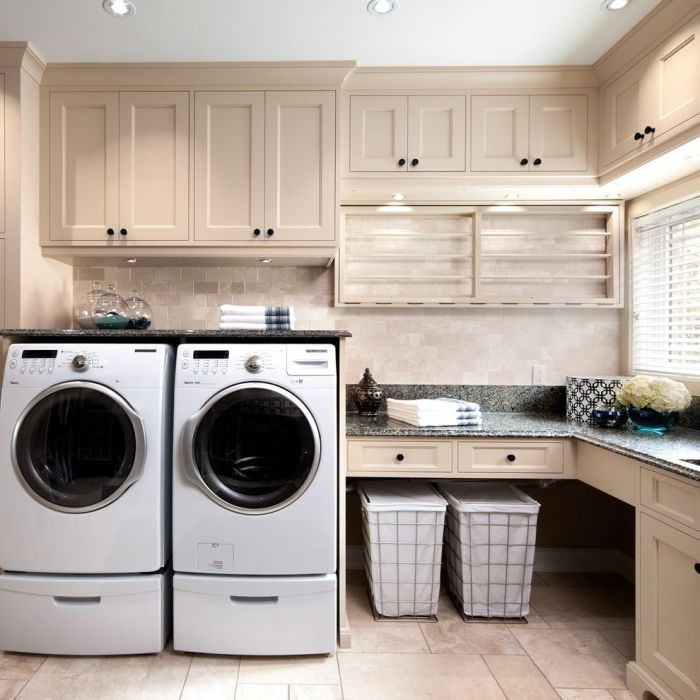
x=423, y=32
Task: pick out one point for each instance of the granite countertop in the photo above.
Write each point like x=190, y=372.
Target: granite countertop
x=663, y=451
x=165, y=333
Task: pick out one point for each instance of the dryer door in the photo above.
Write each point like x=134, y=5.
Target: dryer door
x=78, y=446
x=253, y=448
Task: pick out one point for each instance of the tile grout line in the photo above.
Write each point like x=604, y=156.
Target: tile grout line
x=493, y=675
x=187, y=675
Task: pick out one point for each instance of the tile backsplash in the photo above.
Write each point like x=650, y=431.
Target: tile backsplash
x=401, y=346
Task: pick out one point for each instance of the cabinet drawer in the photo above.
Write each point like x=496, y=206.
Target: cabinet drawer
x=671, y=497
x=400, y=456
x=513, y=457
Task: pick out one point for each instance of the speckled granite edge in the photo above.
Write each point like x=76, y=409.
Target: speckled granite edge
x=492, y=398
x=663, y=451
x=166, y=333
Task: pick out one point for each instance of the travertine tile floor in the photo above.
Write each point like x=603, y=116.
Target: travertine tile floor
x=579, y=637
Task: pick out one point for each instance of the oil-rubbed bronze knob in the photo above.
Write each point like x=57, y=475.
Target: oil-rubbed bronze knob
x=510, y=458
x=402, y=162
x=399, y=457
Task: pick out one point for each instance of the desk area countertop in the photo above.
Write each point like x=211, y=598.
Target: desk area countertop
x=664, y=451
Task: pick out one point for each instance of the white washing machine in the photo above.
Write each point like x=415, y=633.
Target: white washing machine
x=85, y=440
x=255, y=499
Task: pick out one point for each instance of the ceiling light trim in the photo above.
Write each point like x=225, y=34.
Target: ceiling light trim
x=121, y=9
x=615, y=5
x=382, y=8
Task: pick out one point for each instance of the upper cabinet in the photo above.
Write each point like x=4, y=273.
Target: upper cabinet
x=535, y=133
x=119, y=166
x=2, y=154
x=657, y=95
x=264, y=166
x=416, y=133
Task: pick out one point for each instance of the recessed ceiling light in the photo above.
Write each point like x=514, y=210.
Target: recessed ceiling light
x=614, y=195
x=511, y=195
x=265, y=261
x=131, y=261
x=398, y=196
x=616, y=4
x=382, y=7
x=119, y=8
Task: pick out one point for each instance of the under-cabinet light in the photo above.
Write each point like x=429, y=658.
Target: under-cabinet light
x=119, y=8
x=265, y=261
x=382, y=7
x=131, y=261
x=398, y=196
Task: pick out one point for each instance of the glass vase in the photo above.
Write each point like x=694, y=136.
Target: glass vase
x=647, y=420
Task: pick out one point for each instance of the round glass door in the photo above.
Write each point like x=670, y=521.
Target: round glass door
x=255, y=448
x=77, y=448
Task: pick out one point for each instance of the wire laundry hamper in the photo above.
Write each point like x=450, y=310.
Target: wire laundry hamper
x=403, y=526
x=490, y=548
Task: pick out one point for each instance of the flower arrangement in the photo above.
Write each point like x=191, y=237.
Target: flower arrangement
x=654, y=403
x=658, y=393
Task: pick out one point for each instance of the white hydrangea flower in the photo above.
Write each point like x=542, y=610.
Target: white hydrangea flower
x=658, y=393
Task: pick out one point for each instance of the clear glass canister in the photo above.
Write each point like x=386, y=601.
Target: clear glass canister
x=110, y=311
x=82, y=311
x=140, y=312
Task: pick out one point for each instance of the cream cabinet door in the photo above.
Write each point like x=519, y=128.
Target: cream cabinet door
x=84, y=166
x=154, y=166
x=229, y=166
x=378, y=133
x=436, y=133
x=499, y=132
x=672, y=92
x=558, y=133
x=300, y=166
x=622, y=116
x=2, y=153
x=670, y=606
x=2, y=282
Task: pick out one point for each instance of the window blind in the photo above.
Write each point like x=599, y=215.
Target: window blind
x=666, y=291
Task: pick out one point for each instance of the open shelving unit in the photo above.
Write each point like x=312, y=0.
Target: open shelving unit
x=535, y=255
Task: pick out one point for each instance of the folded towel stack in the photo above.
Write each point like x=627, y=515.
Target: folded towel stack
x=425, y=413
x=263, y=318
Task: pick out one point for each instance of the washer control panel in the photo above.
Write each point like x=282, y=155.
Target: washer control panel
x=204, y=362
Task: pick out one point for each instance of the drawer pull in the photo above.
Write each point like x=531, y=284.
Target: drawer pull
x=254, y=599
x=510, y=458
x=76, y=600
x=697, y=568
x=399, y=457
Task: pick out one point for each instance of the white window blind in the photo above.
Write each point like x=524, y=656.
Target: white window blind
x=666, y=291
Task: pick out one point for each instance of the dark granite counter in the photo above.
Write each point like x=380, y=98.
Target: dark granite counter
x=664, y=451
x=170, y=334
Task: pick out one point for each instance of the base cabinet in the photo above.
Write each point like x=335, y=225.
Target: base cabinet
x=670, y=606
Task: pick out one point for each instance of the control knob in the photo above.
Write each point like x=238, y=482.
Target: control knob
x=80, y=363
x=253, y=364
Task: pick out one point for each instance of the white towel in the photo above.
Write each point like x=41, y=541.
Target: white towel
x=436, y=419
x=255, y=326
x=427, y=406
x=226, y=309
x=436, y=423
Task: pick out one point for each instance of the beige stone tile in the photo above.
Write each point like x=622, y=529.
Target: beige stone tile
x=622, y=695
x=470, y=638
x=417, y=676
x=360, y=614
x=262, y=691
x=585, y=608
x=314, y=670
x=401, y=640
x=18, y=667
x=519, y=678
x=211, y=677
x=622, y=640
x=574, y=658
x=315, y=692
x=534, y=621
x=148, y=677
x=10, y=689
x=582, y=694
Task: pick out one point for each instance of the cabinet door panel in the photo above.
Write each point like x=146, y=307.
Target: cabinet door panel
x=84, y=165
x=154, y=165
x=378, y=133
x=229, y=178
x=300, y=165
x=2, y=282
x=559, y=132
x=622, y=116
x=499, y=132
x=437, y=133
x=670, y=606
x=674, y=81
x=2, y=154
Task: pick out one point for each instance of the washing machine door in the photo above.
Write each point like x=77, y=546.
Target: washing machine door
x=78, y=446
x=253, y=448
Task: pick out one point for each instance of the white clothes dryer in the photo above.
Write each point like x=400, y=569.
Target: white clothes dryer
x=85, y=440
x=255, y=498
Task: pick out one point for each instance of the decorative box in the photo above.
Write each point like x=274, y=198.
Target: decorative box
x=585, y=394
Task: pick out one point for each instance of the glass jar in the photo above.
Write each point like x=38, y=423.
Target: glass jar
x=110, y=311
x=82, y=311
x=647, y=420
x=140, y=312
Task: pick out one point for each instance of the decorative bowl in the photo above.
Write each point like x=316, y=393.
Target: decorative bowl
x=648, y=420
